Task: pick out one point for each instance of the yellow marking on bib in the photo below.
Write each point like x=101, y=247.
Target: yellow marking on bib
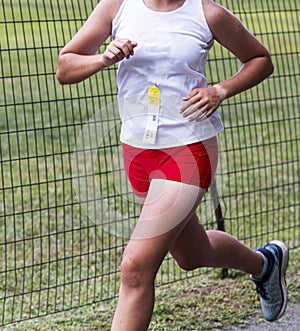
x=153, y=96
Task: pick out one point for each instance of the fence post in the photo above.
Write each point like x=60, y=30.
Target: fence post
x=218, y=214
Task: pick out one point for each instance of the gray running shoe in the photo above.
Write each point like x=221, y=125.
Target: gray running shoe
x=272, y=286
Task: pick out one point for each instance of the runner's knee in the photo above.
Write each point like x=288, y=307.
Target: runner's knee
x=187, y=265
x=134, y=272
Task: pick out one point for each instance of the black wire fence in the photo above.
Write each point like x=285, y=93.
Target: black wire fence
x=65, y=208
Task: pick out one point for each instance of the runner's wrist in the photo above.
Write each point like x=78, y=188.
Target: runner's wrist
x=221, y=91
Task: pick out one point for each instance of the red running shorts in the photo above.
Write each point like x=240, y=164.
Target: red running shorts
x=193, y=164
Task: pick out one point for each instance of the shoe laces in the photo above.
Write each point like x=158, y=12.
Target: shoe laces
x=261, y=290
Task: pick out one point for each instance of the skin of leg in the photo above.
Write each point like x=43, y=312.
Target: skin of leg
x=169, y=204
x=195, y=248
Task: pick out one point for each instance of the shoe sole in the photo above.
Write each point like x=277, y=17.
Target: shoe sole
x=284, y=266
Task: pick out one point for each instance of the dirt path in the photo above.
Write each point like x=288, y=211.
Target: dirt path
x=289, y=322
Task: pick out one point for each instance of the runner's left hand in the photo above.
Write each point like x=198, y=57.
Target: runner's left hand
x=201, y=103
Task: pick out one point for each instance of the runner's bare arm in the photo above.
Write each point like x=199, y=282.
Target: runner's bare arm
x=229, y=31
x=78, y=59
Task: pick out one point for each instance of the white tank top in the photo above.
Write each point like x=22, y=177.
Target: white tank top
x=171, y=55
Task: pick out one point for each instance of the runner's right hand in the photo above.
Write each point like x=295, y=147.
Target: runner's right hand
x=117, y=50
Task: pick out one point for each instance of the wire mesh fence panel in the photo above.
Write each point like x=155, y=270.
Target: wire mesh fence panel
x=66, y=209
x=261, y=142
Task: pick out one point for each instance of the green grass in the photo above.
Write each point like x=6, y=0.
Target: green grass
x=53, y=256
